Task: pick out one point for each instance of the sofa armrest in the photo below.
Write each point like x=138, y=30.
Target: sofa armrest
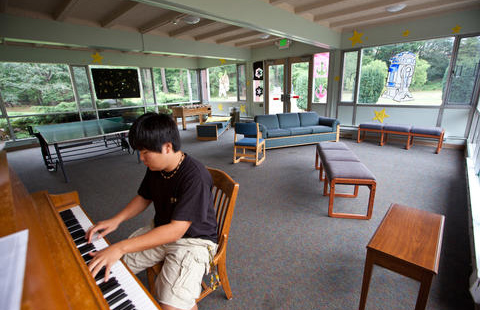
x=328, y=121
x=263, y=129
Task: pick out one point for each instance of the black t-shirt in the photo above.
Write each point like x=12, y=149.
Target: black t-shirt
x=187, y=196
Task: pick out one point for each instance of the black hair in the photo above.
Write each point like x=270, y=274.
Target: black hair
x=152, y=130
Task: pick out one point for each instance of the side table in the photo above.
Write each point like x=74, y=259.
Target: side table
x=408, y=241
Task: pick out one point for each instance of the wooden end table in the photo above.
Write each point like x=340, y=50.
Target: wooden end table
x=408, y=241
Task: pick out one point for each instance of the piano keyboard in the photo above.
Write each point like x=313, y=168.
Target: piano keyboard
x=121, y=291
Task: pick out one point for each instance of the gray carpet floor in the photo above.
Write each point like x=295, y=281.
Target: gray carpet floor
x=284, y=251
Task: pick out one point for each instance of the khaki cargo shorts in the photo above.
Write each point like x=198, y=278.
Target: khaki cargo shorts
x=185, y=262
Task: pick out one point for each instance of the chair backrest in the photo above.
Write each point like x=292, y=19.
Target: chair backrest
x=247, y=129
x=225, y=191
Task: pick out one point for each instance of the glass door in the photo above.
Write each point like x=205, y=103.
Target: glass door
x=287, y=87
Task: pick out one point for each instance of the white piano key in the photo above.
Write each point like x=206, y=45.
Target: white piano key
x=134, y=291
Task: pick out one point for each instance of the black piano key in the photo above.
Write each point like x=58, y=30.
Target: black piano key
x=74, y=228
x=86, y=248
x=78, y=234
x=66, y=214
x=71, y=222
x=108, y=286
x=101, y=274
x=123, y=305
x=80, y=241
x=116, y=296
x=129, y=307
x=87, y=258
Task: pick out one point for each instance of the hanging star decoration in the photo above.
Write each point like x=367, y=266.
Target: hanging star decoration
x=356, y=38
x=259, y=73
x=336, y=78
x=220, y=107
x=243, y=109
x=97, y=58
x=406, y=33
x=456, y=29
x=223, y=61
x=380, y=115
x=259, y=91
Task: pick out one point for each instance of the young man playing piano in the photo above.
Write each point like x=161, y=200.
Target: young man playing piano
x=183, y=233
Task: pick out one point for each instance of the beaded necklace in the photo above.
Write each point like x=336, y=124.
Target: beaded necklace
x=170, y=174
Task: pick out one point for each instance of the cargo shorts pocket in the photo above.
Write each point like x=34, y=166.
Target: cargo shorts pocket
x=189, y=281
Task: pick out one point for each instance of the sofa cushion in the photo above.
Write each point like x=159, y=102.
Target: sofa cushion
x=338, y=155
x=269, y=121
x=274, y=133
x=328, y=121
x=300, y=130
x=288, y=120
x=308, y=119
x=320, y=129
x=348, y=170
x=371, y=125
x=327, y=145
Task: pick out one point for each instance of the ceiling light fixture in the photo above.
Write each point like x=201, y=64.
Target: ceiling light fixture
x=191, y=20
x=396, y=7
x=264, y=36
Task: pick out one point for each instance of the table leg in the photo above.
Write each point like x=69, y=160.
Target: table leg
x=367, y=275
x=184, y=122
x=60, y=162
x=422, y=298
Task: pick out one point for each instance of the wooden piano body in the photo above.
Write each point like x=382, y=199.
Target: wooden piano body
x=191, y=110
x=56, y=277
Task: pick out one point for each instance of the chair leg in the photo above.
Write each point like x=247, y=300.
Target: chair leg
x=222, y=273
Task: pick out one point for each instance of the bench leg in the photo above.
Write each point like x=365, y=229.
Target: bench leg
x=358, y=135
x=325, y=186
x=409, y=138
x=331, y=198
x=383, y=139
x=371, y=199
x=440, y=142
x=317, y=160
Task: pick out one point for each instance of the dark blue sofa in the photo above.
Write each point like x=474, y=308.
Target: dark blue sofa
x=287, y=129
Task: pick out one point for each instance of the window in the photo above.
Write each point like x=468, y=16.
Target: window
x=171, y=85
x=222, y=83
x=32, y=88
x=465, y=71
x=242, y=83
x=320, y=77
x=349, y=76
x=194, y=85
x=82, y=85
x=147, y=85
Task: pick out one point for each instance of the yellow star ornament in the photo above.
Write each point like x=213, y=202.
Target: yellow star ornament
x=356, y=38
x=380, y=115
x=243, y=109
x=456, y=29
x=222, y=61
x=406, y=33
x=336, y=78
x=220, y=107
x=97, y=58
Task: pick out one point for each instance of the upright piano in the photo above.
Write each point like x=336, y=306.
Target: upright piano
x=56, y=273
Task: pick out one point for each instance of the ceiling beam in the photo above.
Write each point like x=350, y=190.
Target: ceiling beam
x=3, y=6
x=356, y=9
x=216, y=32
x=112, y=18
x=188, y=28
x=64, y=9
x=276, y=1
x=315, y=5
x=256, y=15
x=237, y=37
x=254, y=42
x=421, y=10
x=160, y=21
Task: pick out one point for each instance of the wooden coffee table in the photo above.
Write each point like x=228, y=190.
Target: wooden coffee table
x=408, y=241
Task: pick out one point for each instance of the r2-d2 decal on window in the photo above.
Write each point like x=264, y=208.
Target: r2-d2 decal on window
x=400, y=74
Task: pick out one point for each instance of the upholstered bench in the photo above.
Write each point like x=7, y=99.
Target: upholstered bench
x=343, y=167
x=428, y=132
x=397, y=129
x=437, y=133
x=369, y=127
x=213, y=128
x=325, y=145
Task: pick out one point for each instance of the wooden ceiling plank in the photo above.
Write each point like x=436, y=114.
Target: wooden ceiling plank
x=276, y=1
x=64, y=9
x=112, y=18
x=163, y=20
x=188, y=28
x=315, y=5
x=237, y=37
x=356, y=9
x=216, y=32
x=415, y=11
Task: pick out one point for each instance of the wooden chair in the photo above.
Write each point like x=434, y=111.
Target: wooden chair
x=225, y=191
x=251, y=141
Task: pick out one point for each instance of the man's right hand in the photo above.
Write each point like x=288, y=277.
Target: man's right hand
x=103, y=228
